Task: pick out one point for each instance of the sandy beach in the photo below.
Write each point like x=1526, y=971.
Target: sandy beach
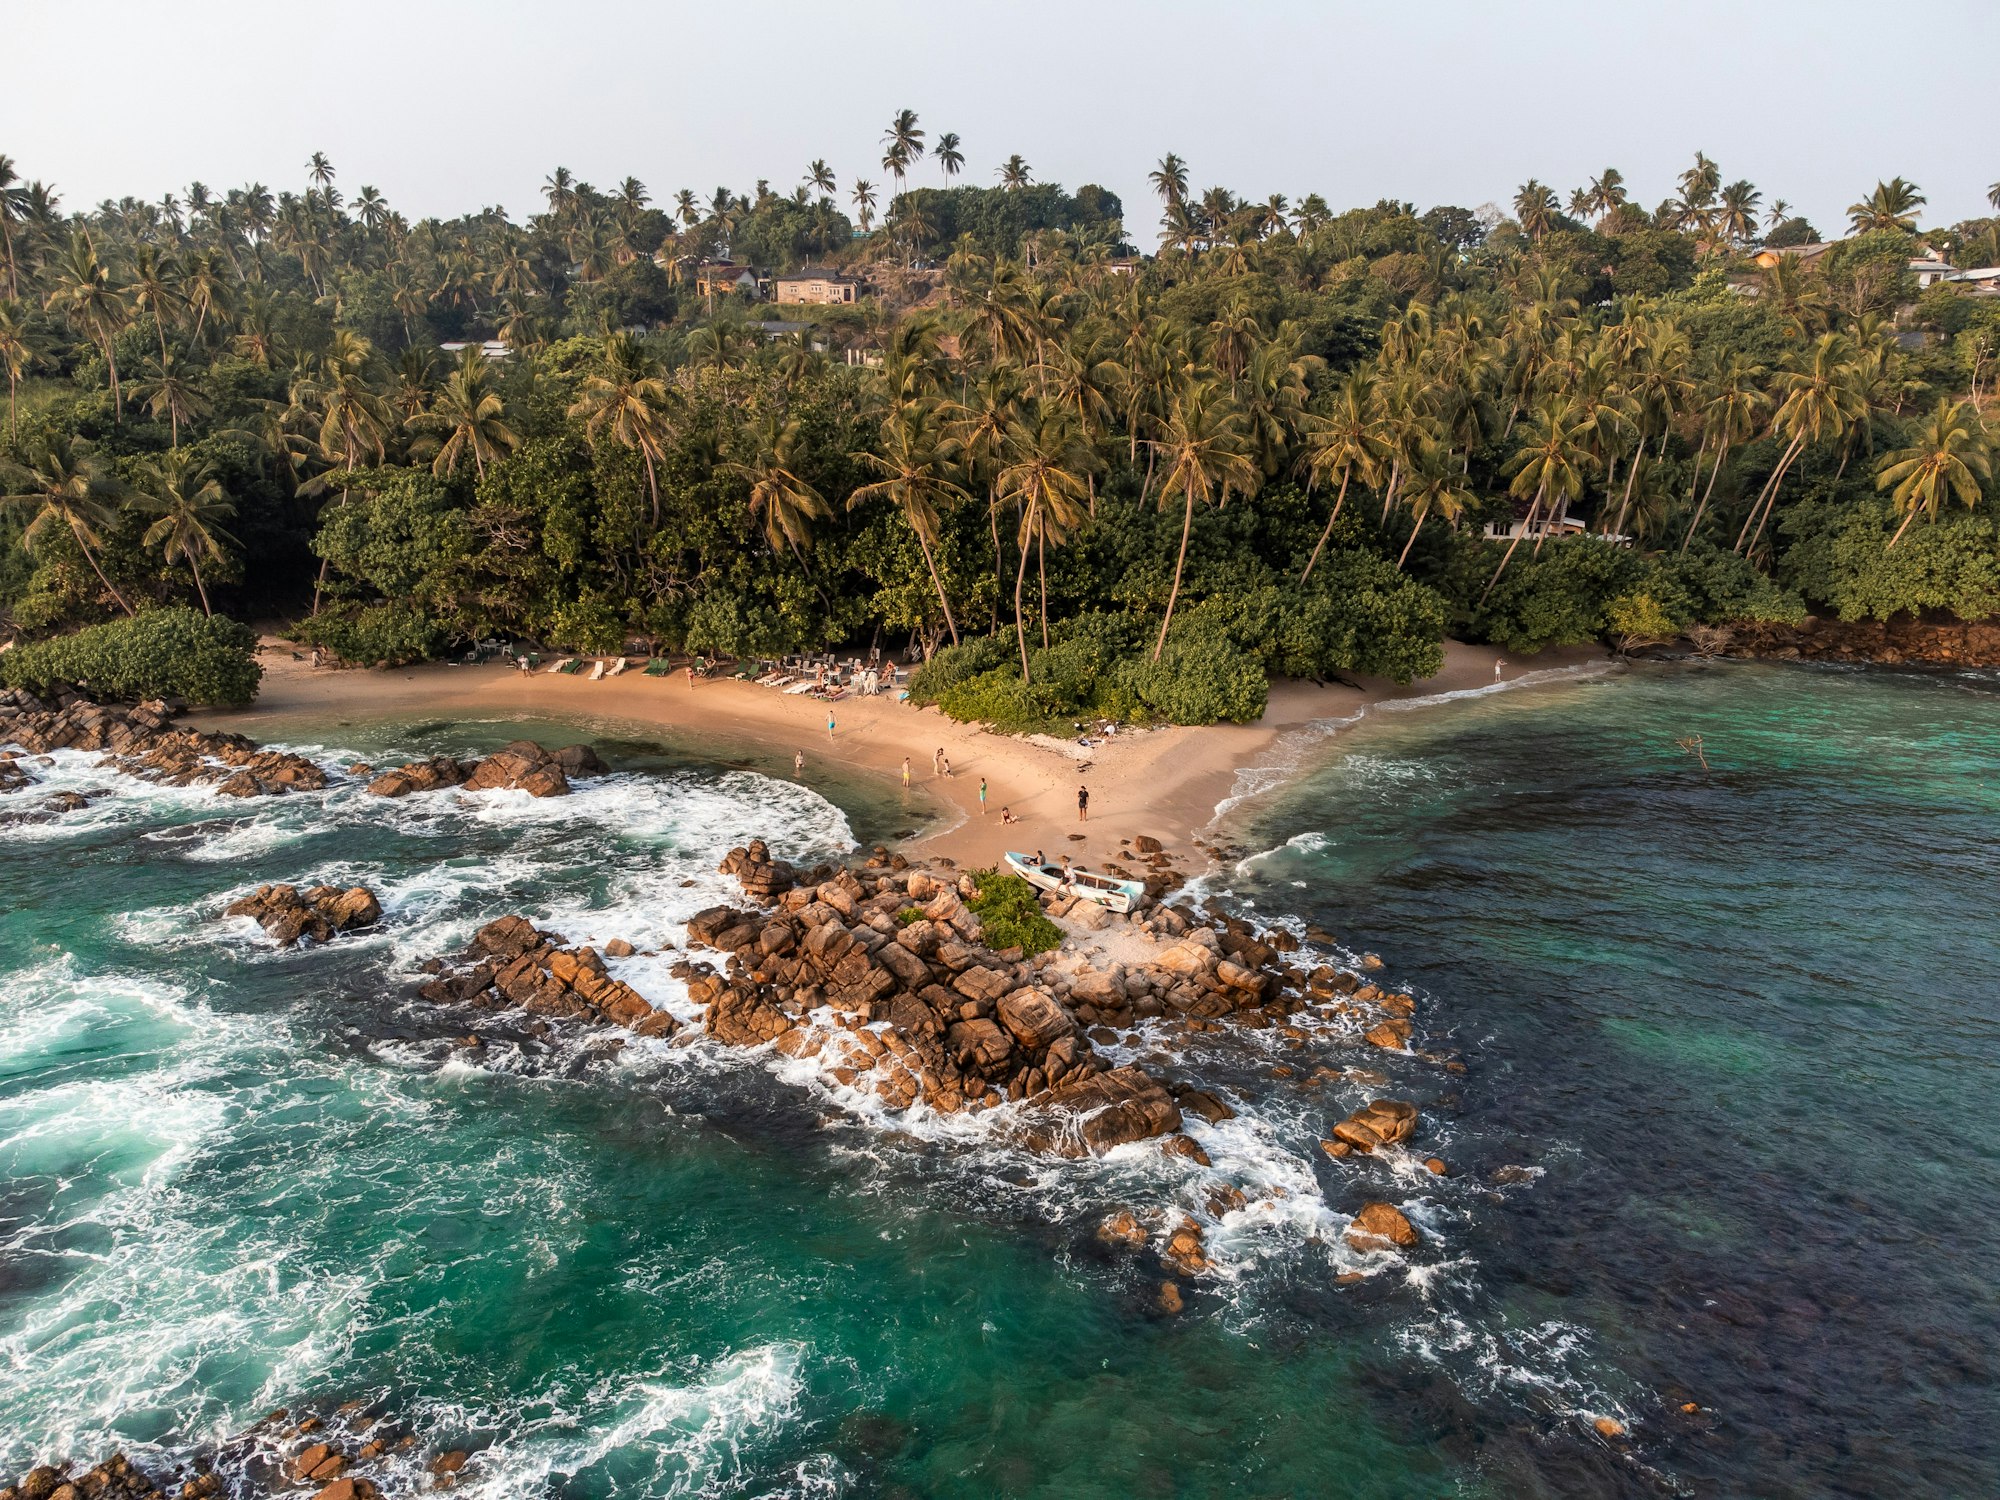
x=1164, y=782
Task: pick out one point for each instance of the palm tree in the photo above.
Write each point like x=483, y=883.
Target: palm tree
x=21, y=347
x=1729, y=417
x=864, y=202
x=1549, y=465
x=13, y=209
x=84, y=293
x=1535, y=206
x=169, y=393
x=1947, y=458
x=1816, y=403
x=626, y=396
x=1432, y=488
x=1345, y=444
x=470, y=414
x=1606, y=193
x=1893, y=205
x=1993, y=196
x=1206, y=460
x=906, y=146
x=986, y=419
x=785, y=504
x=948, y=156
x=916, y=456
x=153, y=290
x=336, y=402
x=190, y=504
x=1014, y=172
x=1170, y=179
x=69, y=489
x=819, y=177
x=1736, y=216
x=320, y=170
x=1044, y=476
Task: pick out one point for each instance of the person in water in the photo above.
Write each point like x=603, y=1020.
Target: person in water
x=798, y=763
x=906, y=773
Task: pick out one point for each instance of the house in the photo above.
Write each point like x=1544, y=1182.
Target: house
x=817, y=285
x=1124, y=266
x=492, y=348
x=718, y=278
x=1544, y=529
x=1805, y=254
x=1930, y=268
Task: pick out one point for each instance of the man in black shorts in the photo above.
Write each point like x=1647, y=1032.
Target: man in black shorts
x=1083, y=804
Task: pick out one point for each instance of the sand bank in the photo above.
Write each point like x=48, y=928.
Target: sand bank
x=1164, y=782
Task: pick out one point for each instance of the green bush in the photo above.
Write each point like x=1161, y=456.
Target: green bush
x=1199, y=679
x=180, y=653
x=381, y=635
x=1011, y=913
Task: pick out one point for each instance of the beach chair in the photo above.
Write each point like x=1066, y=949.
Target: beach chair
x=618, y=666
x=597, y=670
x=659, y=666
x=561, y=664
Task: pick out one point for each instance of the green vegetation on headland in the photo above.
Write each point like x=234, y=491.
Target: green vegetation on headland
x=1082, y=481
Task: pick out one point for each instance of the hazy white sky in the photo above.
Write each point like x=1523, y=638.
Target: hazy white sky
x=447, y=107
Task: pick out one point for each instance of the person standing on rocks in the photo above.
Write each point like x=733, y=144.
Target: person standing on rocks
x=1082, y=804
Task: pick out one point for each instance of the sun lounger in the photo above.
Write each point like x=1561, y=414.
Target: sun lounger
x=561, y=664
x=659, y=666
x=597, y=670
x=573, y=666
x=618, y=666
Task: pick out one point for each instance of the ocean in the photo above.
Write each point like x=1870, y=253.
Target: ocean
x=1727, y=1136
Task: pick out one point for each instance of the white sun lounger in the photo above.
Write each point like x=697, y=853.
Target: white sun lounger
x=558, y=666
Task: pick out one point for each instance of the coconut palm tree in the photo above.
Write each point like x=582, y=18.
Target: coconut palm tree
x=1170, y=179
x=864, y=202
x=1736, y=214
x=13, y=210
x=948, y=156
x=1535, y=206
x=1893, y=205
x=1044, y=475
x=782, y=502
x=1433, y=488
x=85, y=294
x=1206, y=458
x=905, y=144
x=320, y=170
x=1344, y=445
x=626, y=397
x=1993, y=196
x=1947, y=458
x=1730, y=414
x=154, y=291
x=984, y=422
x=819, y=177
x=66, y=487
x=21, y=348
x=182, y=492
x=1816, y=404
x=169, y=393
x=916, y=458
x=1014, y=172
x=470, y=416
x=1548, y=466
x=1606, y=193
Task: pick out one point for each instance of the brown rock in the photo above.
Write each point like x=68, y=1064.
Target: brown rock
x=1436, y=1165
x=618, y=948
x=1170, y=1297
x=1184, y=1249
x=1380, y=1224
x=1609, y=1427
x=1123, y=1228
x=1031, y=1017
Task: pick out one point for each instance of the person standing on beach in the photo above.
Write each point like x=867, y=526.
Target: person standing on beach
x=982, y=796
x=906, y=773
x=937, y=761
x=829, y=723
x=799, y=763
x=1083, y=804
x=1497, y=665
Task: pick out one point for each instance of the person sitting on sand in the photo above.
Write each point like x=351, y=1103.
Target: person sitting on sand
x=1007, y=816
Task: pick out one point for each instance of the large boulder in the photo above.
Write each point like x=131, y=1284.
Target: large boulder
x=1379, y=1226
x=1032, y=1018
x=1095, y=1112
x=288, y=914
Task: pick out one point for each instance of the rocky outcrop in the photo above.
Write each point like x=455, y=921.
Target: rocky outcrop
x=1380, y=1226
x=13, y=775
x=1901, y=641
x=512, y=965
x=288, y=914
x=522, y=766
x=762, y=877
x=144, y=741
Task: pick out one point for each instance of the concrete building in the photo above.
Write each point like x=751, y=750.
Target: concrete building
x=818, y=286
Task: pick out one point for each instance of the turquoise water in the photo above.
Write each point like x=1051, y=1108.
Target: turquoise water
x=1744, y=1024
x=1734, y=1030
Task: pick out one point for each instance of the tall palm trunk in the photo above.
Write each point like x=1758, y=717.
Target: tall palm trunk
x=1534, y=510
x=117, y=395
x=1042, y=567
x=1345, y=475
x=200, y=587
x=652, y=485
x=91, y=558
x=1899, y=530
x=1020, y=631
x=1768, y=496
x=1631, y=478
x=1721, y=458
x=1421, y=518
x=938, y=583
x=993, y=521
x=1389, y=494
x=1180, y=561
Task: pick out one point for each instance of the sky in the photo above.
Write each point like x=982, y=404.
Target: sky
x=449, y=107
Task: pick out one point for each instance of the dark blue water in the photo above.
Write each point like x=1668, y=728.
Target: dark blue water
x=1741, y=1025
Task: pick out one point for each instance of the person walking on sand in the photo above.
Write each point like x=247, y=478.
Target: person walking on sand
x=1083, y=804
x=829, y=723
x=906, y=773
x=982, y=796
x=799, y=763
x=1497, y=665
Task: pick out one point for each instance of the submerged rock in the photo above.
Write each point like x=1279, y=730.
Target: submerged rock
x=512, y=964
x=1379, y=1225
x=522, y=766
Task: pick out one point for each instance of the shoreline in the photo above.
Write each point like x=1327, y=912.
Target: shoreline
x=1173, y=783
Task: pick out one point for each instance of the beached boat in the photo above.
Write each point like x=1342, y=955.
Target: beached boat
x=1119, y=895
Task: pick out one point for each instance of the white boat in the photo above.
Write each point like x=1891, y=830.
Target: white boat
x=1118, y=895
